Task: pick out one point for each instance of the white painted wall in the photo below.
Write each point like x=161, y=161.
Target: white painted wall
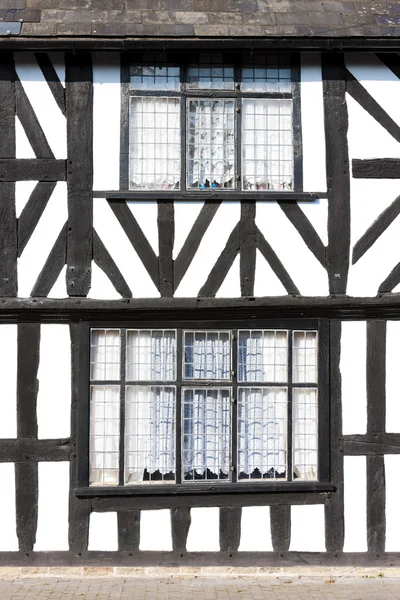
x=307, y=528
x=353, y=357
x=304, y=269
x=106, y=120
x=8, y=535
x=8, y=396
x=312, y=120
x=42, y=240
x=355, y=504
x=52, y=530
x=54, y=375
x=155, y=530
x=203, y=533
x=43, y=103
x=255, y=533
x=392, y=469
x=103, y=531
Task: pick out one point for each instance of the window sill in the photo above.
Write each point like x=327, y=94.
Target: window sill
x=228, y=195
x=203, y=489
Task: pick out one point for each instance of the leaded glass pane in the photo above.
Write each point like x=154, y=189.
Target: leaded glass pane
x=104, y=435
x=305, y=433
x=150, y=355
x=105, y=354
x=210, y=73
x=267, y=144
x=263, y=355
x=207, y=355
x=150, y=434
x=266, y=72
x=206, y=447
x=305, y=357
x=262, y=433
x=155, y=73
x=154, y=143
x=211, y=144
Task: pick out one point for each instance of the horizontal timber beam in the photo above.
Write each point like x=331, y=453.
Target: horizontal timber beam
x=203, y=500
x=210, y=196
x=69, y=309
x=372, y=444
x=32, y=169
x=92, y=43
x=34, y=450
x=200, y=559
x=376, y=168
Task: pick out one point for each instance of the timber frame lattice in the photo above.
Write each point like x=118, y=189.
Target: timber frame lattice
x=78, y=244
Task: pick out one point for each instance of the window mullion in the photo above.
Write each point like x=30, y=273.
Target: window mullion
x=178, y=440
x=289, y=475
x=122, y=408
x=234, y=405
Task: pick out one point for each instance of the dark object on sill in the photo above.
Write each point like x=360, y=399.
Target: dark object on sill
x=256, y=474
x=193, y=475
x=158, y=476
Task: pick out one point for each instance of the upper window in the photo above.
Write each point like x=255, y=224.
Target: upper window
x=197, y=405
x=213, y=123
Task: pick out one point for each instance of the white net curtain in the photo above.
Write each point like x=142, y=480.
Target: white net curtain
x=144, y=391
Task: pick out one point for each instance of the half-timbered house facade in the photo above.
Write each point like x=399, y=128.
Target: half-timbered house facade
x=199, y=282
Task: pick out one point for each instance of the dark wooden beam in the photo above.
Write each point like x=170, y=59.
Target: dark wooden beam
x=337, y=170
x=32, y=212
x=79, y=104
x=334, y=507
x=371, y=444
x=34, y=450
x=32, y=169
x=52, y=79
x=52, y=267
x=280, y=527
x=166, y=236
x=8, y=220
x=30, y=123
x=248, y=247
x=376, y=168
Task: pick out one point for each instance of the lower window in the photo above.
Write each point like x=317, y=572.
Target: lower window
x=191, y=405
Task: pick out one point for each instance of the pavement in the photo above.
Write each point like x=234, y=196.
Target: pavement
x=120, y=588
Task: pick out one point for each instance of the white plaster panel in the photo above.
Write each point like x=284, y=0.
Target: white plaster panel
x=317, y=213
x=185, y=216
x=255, y=533
x=313, y=125
x=8, y=396
x=378, y=80
x=118, y=245
x=353, y=368
x=103, y=531
x=42, y=240
x=307, y=273
x=43, y=103
x=366, y=138
x=392, y=480
x=307, y=528
x=8, y=537
x=23, y=191
x=59, y=289
x=204, y=530
x=101, y=287
x=23, y=148
x=106, y=121
x=230, y=287
x=155, y=530
x=266, y=283
x=54, y=375
x=211, y=246
x=355, y=504
x=146, y=214
x=392, y=377
x=369, y=198
x=52, y=530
